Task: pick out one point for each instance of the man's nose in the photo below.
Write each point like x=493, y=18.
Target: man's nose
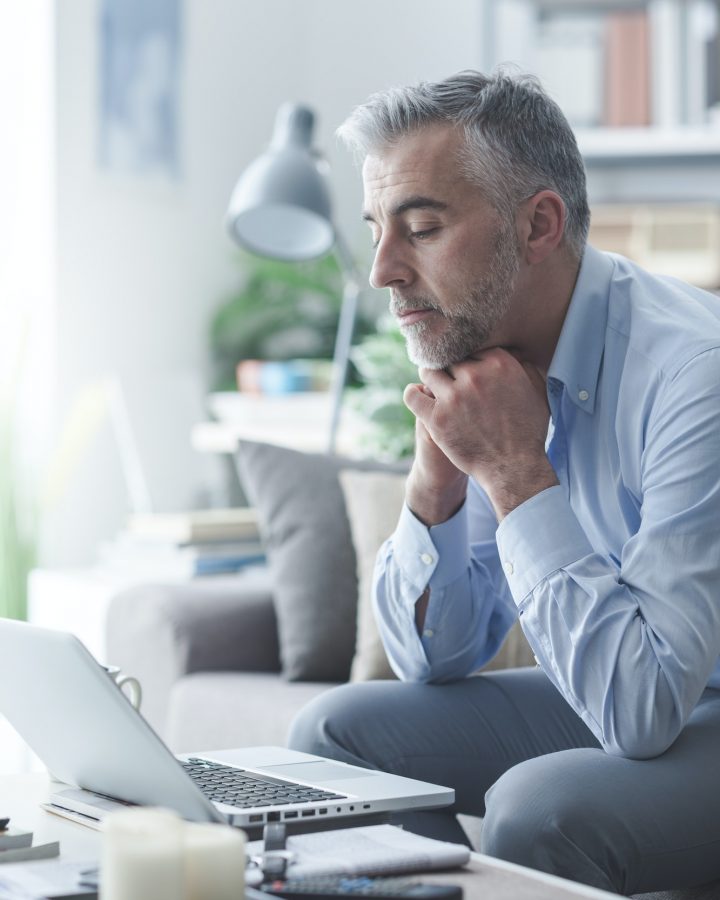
x=390, y=268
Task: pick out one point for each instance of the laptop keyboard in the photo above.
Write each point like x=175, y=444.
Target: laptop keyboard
x=236, y=787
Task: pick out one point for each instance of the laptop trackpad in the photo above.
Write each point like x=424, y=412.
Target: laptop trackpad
x=318, y=771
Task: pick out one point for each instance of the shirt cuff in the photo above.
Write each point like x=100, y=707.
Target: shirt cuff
x=434, y=556
x=537, y=538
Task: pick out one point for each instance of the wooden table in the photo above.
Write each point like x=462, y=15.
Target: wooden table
x=485, y=878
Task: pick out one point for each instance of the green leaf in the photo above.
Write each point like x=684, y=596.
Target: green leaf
x=385, y=370
x=279, y=311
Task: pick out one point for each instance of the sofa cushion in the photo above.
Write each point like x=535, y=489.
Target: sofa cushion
x=159, y=632
x=220, y=710
x=303, y=522
x=373, y=501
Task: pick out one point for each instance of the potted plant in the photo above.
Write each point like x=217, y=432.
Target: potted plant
x=384, y=371
x=281, y=311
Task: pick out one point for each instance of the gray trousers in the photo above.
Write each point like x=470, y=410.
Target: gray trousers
x=552, y=799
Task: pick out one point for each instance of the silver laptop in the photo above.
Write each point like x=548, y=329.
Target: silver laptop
x=75, y=718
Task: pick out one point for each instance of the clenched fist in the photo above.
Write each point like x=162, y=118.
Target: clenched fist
x=488, y=417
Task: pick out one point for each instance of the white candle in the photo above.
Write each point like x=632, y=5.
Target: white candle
x=142, y=856
x=214, y=862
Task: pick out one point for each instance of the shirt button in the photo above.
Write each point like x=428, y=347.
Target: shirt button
x=583, y=395
x=509, y=567
x=426, y=558
x=428, y=632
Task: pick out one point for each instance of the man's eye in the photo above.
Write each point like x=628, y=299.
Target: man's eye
x=419, y=235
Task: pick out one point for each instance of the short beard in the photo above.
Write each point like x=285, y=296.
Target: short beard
x=469, y=324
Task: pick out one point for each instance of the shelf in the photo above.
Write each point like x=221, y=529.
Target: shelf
x=223, y=437
x=620, y=145
x=300, y=421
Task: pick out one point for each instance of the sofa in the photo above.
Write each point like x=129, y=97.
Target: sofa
x=207, y=656
x=228, y=661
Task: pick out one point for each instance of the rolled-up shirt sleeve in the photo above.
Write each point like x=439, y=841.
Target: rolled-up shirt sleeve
x=631, y=639
x=470, y=608
x=631, y=642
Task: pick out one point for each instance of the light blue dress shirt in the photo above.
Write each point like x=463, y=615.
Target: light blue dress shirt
x=615, y=573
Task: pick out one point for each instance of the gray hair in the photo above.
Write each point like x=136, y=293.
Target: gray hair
x=517, y=139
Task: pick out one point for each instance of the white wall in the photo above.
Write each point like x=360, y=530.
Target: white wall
x=144, y=261
x=355, y=48
x=27, y=275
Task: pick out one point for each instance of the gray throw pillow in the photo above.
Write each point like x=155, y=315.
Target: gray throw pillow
x=305, y=528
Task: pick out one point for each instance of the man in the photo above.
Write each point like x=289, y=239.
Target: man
x=567, y=471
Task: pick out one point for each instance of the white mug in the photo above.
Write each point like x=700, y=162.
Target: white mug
x=133, y=692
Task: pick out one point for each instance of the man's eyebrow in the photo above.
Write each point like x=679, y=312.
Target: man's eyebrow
x=417, y=202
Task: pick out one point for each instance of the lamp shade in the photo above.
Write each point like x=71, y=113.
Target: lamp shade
x=280, y=206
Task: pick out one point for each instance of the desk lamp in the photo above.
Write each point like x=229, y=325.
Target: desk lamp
x=280, y=208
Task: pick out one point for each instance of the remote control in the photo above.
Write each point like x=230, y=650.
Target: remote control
x=348, y=888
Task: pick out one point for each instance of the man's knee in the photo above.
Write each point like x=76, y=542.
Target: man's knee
x=513, y=817
x=539, y=815
x=332, y=724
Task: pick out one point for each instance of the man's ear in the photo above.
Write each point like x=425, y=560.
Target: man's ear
x=541, y=223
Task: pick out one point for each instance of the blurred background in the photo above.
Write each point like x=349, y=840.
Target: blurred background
x=125, y=307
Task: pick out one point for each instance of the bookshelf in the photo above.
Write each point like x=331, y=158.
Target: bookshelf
x=619, y=65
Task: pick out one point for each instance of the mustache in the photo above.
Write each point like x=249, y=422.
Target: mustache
x=399, y=305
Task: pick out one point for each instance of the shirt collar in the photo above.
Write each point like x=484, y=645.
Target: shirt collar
x=578, y=354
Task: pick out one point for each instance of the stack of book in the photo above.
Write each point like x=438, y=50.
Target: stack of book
x=16, y=845
x=186, y=545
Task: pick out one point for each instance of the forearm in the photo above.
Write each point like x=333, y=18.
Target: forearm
x=629, y=651
x=515, y=481
x=433, y=503
x=444, y=618
x=463, y=628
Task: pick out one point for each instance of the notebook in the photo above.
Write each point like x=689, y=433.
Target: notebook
x=74, y=717
x=366, y=850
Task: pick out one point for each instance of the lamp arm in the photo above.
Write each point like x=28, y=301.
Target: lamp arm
x=346, y=259
x=343, y=339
